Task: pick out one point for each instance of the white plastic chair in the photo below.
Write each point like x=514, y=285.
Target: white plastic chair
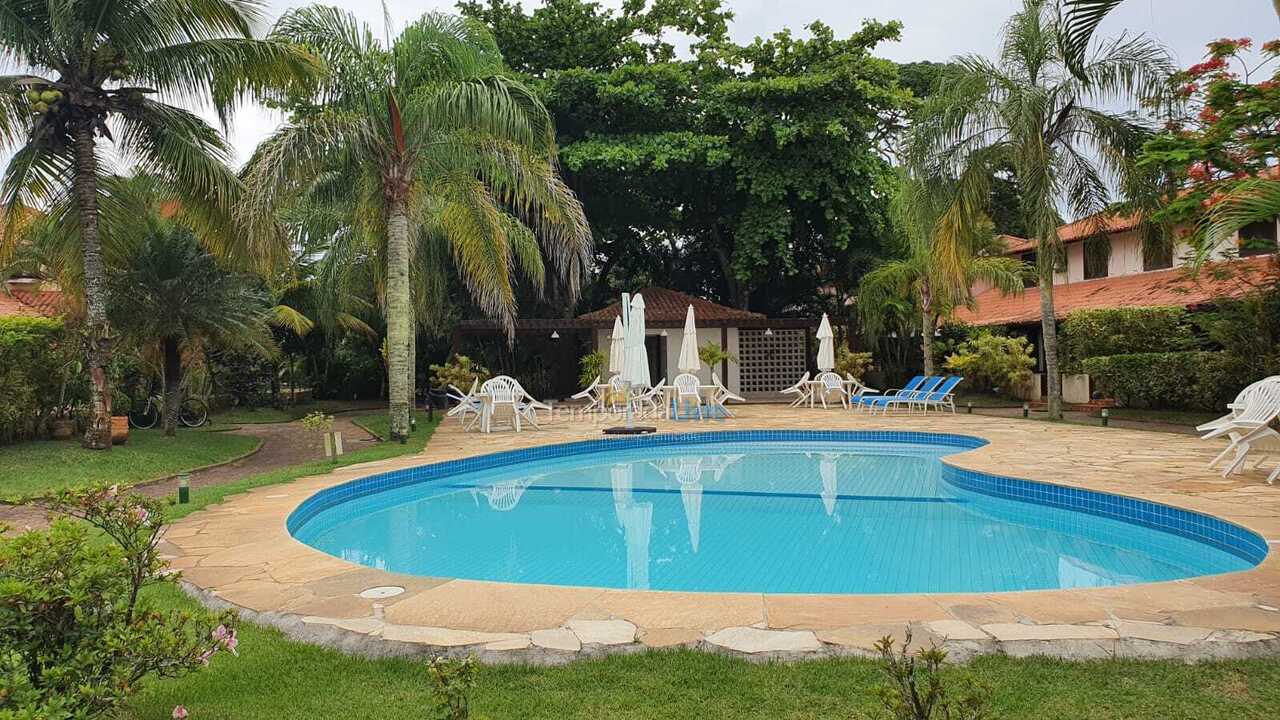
x=650, y=401
x=503, y=391
x=1251, y=425
x=468, y=404
x=593, y=396
x=528, y=406
x=801, y=390
x=688, y=386
x=1240, y=403
x=617, y=389
x=723, y=395
x=857, y=391
x=831, y=383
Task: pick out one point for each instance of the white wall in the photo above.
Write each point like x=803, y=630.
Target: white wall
x=674, y=338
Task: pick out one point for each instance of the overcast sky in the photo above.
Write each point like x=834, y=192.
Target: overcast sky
x=933, y=29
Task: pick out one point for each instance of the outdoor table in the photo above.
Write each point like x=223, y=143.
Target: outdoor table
x=670, y=395
x=816, y=386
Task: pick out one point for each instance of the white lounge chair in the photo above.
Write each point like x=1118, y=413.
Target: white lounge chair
x=831, y=383
x=801, y=390
x=723, y=395
x=503, y=391
x=1240, y=403
x=468, y=405
x=528, y=406
x=650, y=401
x=688, y=388
x=1251, y=425
x=593, y=396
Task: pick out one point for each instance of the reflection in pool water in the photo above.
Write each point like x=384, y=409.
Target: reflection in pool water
x=783, y=517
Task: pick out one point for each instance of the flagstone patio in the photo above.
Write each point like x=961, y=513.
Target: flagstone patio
x=239, y=553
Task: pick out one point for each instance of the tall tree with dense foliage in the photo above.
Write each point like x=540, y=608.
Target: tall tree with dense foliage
x=93, y=70
x=424, y=143
x=748, y=167
x=1221, y=149
x=942, y=261
x=1062, y=135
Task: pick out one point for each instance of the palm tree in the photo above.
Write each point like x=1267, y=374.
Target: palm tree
x=944, y=258
x=94, y=69
x=1057, y=131
x=174, y=298
x=418, y=152
x=1080, y=21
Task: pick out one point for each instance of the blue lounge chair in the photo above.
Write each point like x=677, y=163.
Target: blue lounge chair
x=912, y=385
x=928, y=385
x=942, y=398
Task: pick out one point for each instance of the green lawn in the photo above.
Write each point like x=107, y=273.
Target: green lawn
x=204, y=496
x=1169, y=417
x=45, y=466
x=278, y=678
x=263, y=415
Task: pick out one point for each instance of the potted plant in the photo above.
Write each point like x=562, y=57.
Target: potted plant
x=712, y=355
x=64, y=423
x=593, y=365
x=318, y=422
x=458, y=371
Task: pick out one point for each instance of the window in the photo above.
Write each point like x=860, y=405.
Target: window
x=1032, y=278
x=1157, y=255
x=1097, y=255
x=1258, y=238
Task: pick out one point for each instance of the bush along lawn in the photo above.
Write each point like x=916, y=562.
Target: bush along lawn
x=42, y=467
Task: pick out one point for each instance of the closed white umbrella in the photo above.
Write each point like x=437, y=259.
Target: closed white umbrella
x=830, y=487
x=617, y=344
x=636, y=369
x=826, y=345
x=689, y=361
x=689, y=475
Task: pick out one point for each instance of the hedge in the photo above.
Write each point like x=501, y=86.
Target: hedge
x=1190, y=380
x=31, y=366
x=1123, y=331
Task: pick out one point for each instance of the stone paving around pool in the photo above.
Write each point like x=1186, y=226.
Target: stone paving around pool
x=239, y=553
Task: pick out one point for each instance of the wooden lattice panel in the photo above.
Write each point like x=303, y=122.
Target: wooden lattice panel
x=769, y=363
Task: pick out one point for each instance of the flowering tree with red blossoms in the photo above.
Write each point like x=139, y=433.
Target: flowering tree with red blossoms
x=1221, y=147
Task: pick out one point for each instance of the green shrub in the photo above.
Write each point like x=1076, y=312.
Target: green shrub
x=592, y=366
x=76, y=640
x=459, y=371
x=852, y=363
x=1248, y=329
x=34, y=360
x=916, y=689
x=993, y=362
x=452, y=682
x=1121, y=331
x=1192, y=380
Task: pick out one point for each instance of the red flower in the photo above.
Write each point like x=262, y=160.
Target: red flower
x=1271, y=46
x=1209, y=115
x=1207, y=66
x=1198, y=172
x=1188, y=90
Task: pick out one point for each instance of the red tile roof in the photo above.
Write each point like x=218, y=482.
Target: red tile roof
x=669, y=307
x=1074, y=232
x=1164, y=287
x=30, y=298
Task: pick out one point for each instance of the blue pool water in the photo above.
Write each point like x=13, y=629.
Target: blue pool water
x=779, y=516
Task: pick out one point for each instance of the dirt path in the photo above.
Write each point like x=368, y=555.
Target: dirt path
x=283, y=444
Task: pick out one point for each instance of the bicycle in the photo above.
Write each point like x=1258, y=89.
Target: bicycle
x=192, y=413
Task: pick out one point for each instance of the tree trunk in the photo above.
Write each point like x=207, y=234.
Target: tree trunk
x=1049, y=336
x=739, y=293
x=926, y=327
x=172, y=384
x=926, y=341
x=85, y=186
x=399, y=317
x=413, y=364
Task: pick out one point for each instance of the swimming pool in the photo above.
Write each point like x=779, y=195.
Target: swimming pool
x=761, y=511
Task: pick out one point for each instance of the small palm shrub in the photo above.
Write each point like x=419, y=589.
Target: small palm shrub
x=712, y=354
x=459, y=371
x=855, y=364
x=989, y=361
x=76, y=636
x=592, y=365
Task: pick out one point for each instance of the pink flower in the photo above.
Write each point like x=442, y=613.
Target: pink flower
x=113, y=491
x=179, y=712
x=141, y=515
x=220, y=633
x=226, y=637
x=204, y=656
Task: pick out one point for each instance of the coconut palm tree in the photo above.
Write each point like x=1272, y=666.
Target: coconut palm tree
x=944, y=258
x=1059, y=133
x=1080, y=20
x=86, y=71
x=426, y=152
x=173, y=297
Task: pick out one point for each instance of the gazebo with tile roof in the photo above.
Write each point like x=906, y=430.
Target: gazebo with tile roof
x=772, y=352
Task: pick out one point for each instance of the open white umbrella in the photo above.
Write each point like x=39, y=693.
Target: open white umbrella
x=617, y=354
x=689, y=361
x=826, y=345
x=636, y=368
